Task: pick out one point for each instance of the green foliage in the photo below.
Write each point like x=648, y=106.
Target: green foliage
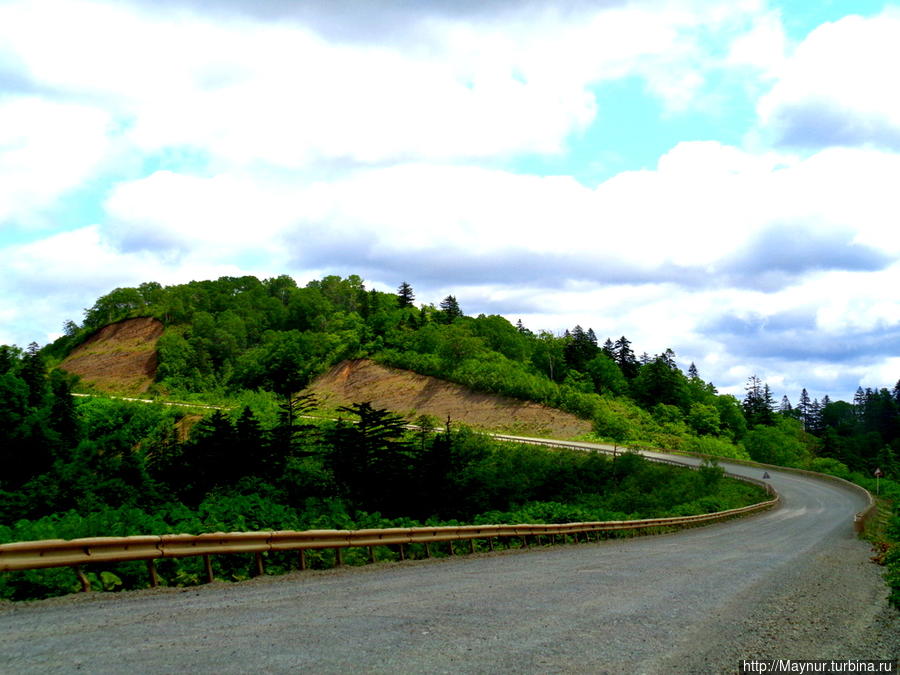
x=781, y=444
x=251, y=345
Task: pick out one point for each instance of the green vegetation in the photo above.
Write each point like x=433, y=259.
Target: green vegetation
x=94, y=466
x=255, y=343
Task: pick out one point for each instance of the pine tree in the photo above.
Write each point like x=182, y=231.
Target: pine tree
x=786, y=408
x=692, y=372
x=804, y=408
x=815, y=417
x=610, y=350
x=450, y=309
x=758, y=405
x=625, y=358
x=34, y=372
x=579, y=348
x=859, y=402
x=405, y=295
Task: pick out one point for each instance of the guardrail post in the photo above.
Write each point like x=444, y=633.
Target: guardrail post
x=301, y=555
x=338, y=557
x=471, y=546
x=85, y=582
x=491, y=543
x=151, y=569
x=450, y=543
x=258, y=564
x=427, y=550
x=372, y=555
x=402, y=552
x=207, y=568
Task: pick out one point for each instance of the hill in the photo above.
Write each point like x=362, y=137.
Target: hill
x=120, y=358
x=222, y=338
x=411, y=395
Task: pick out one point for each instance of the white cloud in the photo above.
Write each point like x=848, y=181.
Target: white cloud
x=250, y=91
x=838, y=86
x=763, y=47
x=46, y=149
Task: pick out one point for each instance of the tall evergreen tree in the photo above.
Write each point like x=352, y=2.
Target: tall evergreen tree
x=758, y=405
x=405, y=295
x=786, y=408
x=609, y=349
x=625, y=358
x=579, y=348
x=450, y=309
x=804, y=408
x=34, y=372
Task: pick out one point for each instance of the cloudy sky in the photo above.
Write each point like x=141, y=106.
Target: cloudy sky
x=715, y=176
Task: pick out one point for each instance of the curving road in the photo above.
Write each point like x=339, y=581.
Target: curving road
x=793, y=582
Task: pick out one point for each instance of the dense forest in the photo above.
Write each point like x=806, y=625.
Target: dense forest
x=99, y=466
x=237, y=334
x=252, y=345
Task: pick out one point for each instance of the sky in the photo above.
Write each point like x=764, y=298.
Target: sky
x=718, y=177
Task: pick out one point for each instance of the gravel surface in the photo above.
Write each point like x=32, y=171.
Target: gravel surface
x=793, y=582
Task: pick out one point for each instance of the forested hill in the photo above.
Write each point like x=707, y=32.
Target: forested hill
x=233, y=334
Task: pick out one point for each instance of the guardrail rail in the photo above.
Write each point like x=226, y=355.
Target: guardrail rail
x=75, y=553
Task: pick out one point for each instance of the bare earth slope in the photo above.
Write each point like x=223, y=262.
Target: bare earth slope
x=119, y=358
x=411, y=395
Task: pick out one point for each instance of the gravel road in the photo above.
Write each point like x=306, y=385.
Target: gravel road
x=793, y=582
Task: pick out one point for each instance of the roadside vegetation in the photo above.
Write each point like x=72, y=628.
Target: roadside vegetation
x=253, y=344
x=104, y=467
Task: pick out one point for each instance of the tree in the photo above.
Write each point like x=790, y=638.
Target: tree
x=405, y=295
x=693, y=374
x=369, y=459
x=625, y=358
x=786, y=408
x=606, y=376
x=758, y=404
x=609, y=349
x=34, y=372
x=580, y=347
x=804, y=409
x=660, y=381
x=450, y=309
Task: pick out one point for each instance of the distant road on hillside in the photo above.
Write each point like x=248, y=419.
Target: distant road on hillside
x=793, y=582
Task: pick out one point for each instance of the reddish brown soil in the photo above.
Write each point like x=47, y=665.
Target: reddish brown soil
x=411, y=395
x=119, y=358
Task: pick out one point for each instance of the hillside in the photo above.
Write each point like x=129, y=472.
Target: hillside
x=120, y=358
x=411, y=395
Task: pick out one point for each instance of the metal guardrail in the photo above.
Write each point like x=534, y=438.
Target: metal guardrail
x=76, y=552
x=860, y=519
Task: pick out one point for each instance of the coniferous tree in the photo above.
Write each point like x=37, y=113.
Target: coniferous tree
x=758, y=405
x=786, y=408
x=450, y=309
x=625, y=358
x=609, y=349
x=34, y=372
x=579, y=348
x=804, y=409
x=405, y=295
x=693, y=374
x=815, y=417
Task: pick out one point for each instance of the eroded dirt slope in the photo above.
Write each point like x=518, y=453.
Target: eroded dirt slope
x=119, y=358
x=411, y=395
